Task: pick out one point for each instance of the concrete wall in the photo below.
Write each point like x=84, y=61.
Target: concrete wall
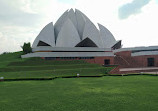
x=48, y=48
x=68, y=54
x=136, y=49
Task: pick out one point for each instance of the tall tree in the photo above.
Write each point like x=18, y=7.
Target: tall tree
x=27, y=48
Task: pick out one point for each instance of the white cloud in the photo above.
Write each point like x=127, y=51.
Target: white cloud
x=131, y=8
x=140, y=30
x=14, y=36
x=1, y=35
x=7, y=45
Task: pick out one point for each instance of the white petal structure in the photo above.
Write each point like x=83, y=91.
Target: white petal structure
x=58, y=25
x=107, y=37
x=46, y=36
x=85, y=17
x=80, y=22
x=72, y=17
x=68, y=36
x=92, y=32
x=67, y=15
x=75, y=29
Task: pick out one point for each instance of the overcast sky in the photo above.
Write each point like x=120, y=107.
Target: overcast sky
x=135, y=22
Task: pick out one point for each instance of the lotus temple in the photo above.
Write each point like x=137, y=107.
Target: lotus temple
x=75, y=37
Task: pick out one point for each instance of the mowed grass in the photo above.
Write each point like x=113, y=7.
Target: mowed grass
x=14, y=67
x=52, y=74
x=108, y=93
x=6, y=59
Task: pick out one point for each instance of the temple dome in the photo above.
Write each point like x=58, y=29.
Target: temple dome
x=74, y=29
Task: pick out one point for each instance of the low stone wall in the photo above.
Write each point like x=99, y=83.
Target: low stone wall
x=95, y=60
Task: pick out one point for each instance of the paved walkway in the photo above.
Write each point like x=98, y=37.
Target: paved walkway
x=138, y=69
x=151, y=72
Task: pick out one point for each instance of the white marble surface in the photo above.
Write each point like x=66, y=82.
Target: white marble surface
x=92, y=32
x=68, y=54
x=68, y=36
x=80, y=23
x=47, y=48
x=73, y=27
x=58, y=25
x=46, y=35
x=107, y=37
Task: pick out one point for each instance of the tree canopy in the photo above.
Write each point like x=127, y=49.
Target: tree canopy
x=27, y=48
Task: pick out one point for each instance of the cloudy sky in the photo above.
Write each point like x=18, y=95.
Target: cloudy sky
x=135, y=22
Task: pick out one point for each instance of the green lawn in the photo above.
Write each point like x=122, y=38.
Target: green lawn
x=6, y=59
x=14, y=67
x=52, y=73
x=108, y=93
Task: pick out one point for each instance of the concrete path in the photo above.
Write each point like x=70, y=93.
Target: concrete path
x=138, y=69
x=151, y=72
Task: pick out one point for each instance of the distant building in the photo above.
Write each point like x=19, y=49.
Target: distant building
x=137, y=57
x=75, y=37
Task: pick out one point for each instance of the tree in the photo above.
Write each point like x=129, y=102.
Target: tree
x=27, y=48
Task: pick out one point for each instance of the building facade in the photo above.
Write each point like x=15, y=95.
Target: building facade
x=137, y=57
x=75, y=37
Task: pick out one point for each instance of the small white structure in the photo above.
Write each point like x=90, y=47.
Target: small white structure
x=1, y=78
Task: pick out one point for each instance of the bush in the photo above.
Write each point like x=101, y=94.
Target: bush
x=26, y=48
x=6, y=53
